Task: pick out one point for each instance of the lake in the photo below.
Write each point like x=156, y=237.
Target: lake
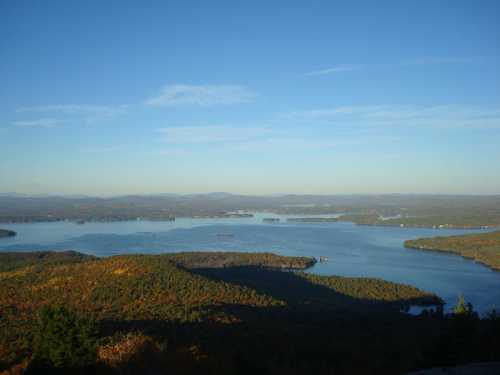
x=351, y=250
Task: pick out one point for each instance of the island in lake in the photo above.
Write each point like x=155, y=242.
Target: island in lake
x=312, y=219
x=271, y=220
x=7, y=233
x=482, y=247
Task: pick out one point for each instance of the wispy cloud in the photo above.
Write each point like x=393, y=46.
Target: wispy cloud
x=233, y=140
x=285, y=144
x=86, y=113
x=333, y=70
x=212, y=133
x=40, y=123
x=413, y=62
x=201, y=95
x=326, y=113
x=76, y=109
x=433, y=116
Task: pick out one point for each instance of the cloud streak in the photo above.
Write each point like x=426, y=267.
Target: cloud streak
x=333, y=70
x=76, y=112
x=323, y=130
x=76, y=109
x=415, y=62
x=197, y=141
x=373, y=116
x=200, y=95
x=46, y=123
x=212, y=134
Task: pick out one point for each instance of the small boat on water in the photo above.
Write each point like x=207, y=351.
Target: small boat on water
x=323, y=259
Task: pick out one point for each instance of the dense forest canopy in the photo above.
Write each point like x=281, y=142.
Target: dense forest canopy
x=160, y=295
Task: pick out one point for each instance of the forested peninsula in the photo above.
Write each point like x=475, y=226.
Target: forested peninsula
x=483, y=247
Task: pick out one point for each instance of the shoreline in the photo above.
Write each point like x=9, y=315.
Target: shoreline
x=451, y=252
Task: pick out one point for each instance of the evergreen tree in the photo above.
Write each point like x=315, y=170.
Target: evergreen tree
x=63, y=340
x=462, y=308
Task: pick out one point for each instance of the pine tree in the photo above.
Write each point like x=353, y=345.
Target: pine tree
x=64, y=340
x=462, y=308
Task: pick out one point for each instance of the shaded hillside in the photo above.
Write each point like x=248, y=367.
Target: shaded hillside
x=488, y=368
x=483, y=247
x=9, y=261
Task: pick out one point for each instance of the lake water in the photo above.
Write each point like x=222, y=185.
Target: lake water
x=352, y=250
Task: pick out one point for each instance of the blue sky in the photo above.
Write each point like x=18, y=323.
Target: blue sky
x=318, y=97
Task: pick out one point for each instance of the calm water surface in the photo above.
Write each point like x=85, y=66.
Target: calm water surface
x=352, y=250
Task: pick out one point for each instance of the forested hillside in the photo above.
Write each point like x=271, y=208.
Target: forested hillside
x=189, y=312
